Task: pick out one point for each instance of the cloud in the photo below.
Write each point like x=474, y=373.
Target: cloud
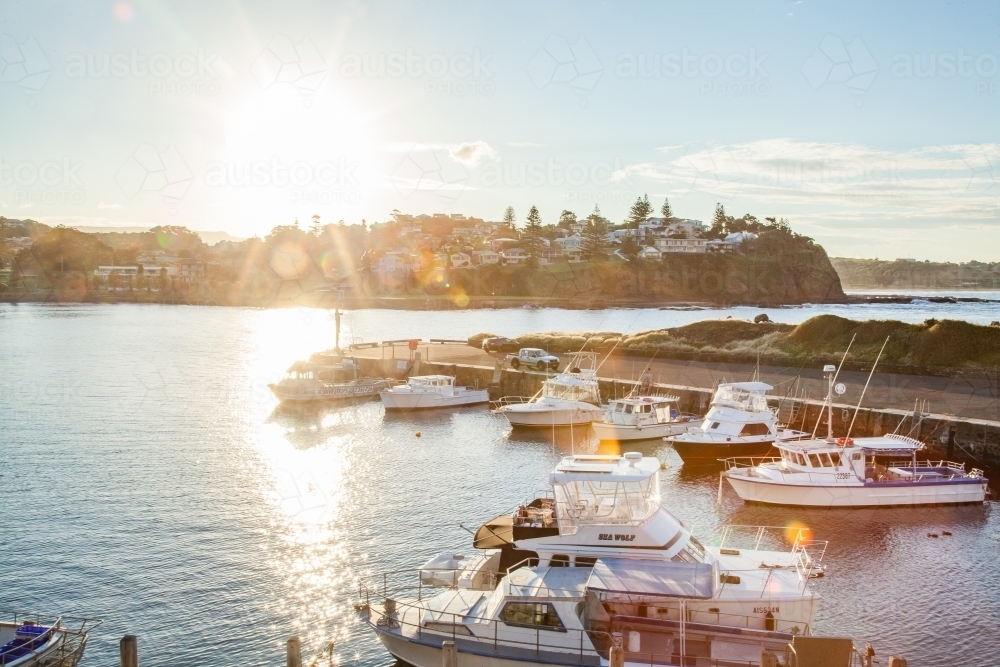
x=472, y=153
x=949, y=181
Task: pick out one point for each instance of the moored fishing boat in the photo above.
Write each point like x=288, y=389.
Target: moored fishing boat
x=641, y=418
x=563, y=577
x=32, y=640
x=738, y=423
x=879, y=471
x=571, y=398
x=426, y=392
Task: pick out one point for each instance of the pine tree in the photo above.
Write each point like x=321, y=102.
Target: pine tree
x=720, y=222
x=509, y=218
x=317, y=227
x=566, y=219
x=593, y=244
x=665, y=211
x=532, y=236
x=640, y=212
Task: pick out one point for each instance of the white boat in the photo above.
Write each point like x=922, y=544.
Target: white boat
x=599, y=563
x=738, y=423
x=427, y=392
x=571, y=398
x=303, y=381
x=642, y=418
x=31, y=641
x=880, y=471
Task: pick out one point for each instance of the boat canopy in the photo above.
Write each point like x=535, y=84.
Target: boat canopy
x=883, y=444
x=747, y=386
x=653, y=578
x=604, y=468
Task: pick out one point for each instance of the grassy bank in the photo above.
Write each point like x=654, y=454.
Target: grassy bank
x=934, y=347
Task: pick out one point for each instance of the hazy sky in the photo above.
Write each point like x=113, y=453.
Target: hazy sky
x=872, y=126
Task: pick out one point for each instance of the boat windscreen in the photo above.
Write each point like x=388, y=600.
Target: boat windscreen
x=653, y=578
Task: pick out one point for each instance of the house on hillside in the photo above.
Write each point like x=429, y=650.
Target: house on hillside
x=460, y=260
x=392, y=262
x=513, y=256
x=666, y=244
x=497, y=245
x=649, y=252
x=483, y=257
x=549, y=255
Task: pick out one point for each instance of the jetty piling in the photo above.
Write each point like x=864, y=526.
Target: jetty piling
x=128, y=650
x=293, y=652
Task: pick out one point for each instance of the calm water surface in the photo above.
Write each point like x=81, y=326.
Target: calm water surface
x=148, y=480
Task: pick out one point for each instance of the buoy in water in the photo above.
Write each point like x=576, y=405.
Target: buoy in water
x=945, y=532
x=932, y=534
x=418, y=434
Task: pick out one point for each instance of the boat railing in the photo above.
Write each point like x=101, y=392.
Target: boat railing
x=586, y=646
x=71, y=633
x=748, y=461
x=510, y=400
x=770, y=535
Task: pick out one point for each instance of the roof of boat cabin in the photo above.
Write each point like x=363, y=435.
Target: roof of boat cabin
x=609, y=467
x=653, y=578
x=548, y=582
x=747, y=386
x=882, y=443
x=647, y=399
x=449, y=378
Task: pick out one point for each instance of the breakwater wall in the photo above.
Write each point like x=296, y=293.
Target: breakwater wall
x=975, y=442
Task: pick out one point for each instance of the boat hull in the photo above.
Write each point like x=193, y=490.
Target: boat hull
x=550, y=417
x=427, y=653
x=406, y=401
x=622, y=432
x=713, y=451
x=872, y=494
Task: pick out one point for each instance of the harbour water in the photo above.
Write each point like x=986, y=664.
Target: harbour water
x=148, y=479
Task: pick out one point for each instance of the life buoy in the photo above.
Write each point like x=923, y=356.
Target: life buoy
x=845, y=441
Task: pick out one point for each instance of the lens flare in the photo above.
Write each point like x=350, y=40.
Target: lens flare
x=796, y=530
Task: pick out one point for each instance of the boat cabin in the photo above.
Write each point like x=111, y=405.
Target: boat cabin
x=565, y=387
x=441, y=384
x=658, y=409
x=746, y=396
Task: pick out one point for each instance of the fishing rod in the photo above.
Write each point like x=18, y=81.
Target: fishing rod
x=829, y=395
x=849, y=428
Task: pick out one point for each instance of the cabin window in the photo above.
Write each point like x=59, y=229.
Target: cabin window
x=559, y=560
x=801, y=459
x=755, y=429
x=827, y=460
x=714, y=425
x=628, y=409
x=532, y=615
x=856, y=456
x=619, y=407
x=645, y=408
x=814, y=461
x=585, y=561
x=835, y=457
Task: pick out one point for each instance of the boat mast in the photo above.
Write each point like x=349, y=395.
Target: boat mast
x=336, y=320
x=830, y=370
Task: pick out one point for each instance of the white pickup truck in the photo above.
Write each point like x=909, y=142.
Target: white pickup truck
x=533, y=357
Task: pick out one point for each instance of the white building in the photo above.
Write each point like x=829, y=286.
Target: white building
x=460, y=260
x=485, y=257
x=664, y=244
x=392, y=262
x=649, y=252
x=569, y=242
x=496, y=245
x=513, y=256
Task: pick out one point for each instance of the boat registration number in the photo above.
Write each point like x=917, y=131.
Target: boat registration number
x=843, y=475
x=766, y=610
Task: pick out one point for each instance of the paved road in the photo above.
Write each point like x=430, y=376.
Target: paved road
x=972, y=396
